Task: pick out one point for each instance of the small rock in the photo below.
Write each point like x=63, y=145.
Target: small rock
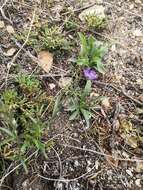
x=113, y=47
x=88, y=168
x=139, y=167
x=139, y=81
x=25, y=183
x=1, y=24
x=10, y=29
x=52, y=86
x=76, y=163
x=93, y=94
x=75, y=135
x=137, y=33
x=138, y=182
x=129, y=173
x=97, y=164
x=97, y=10
x=138, y=2
x=131, y=6
x=89, y=162
x=65, y=82
x=10, y=52
x=125, y=154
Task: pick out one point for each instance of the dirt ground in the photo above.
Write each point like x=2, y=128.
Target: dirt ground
x=100, y=157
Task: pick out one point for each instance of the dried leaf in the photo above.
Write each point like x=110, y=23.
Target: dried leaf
x=106, y=103
x=10, y=29
x=132, y=141
x=10, y=52
x=126, y=126
x=112, y=162
x=45, y=60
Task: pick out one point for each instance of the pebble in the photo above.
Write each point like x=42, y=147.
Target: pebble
x=129, y=173
x=10, y=52
x=10, y=29
x=138, y=1
x=131, y=6
x=138, y=182
x=52, y=86
x=97, y=164
x=137, y=33
x=76, y=163
x=1, y=24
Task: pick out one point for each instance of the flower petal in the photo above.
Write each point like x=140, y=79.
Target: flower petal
x=90, y=74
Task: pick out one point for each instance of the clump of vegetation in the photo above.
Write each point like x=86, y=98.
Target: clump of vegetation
x=22, y=126
x=95, y=22
x=91, y=53
x=81, y=104
x=28, y=83
x=71, y=23
x=52, y=38
x=46, y=38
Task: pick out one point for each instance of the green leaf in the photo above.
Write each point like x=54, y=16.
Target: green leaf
x=84, y=44
x=87, y=88
x=74, y=115
x=103, y=50
x=24, y=147
x=57, y=105
x=91, y=43
x=83, y=61
x=37, y=144
x=100, y=67
x=8, y=132
x=24, y=166
x=87, y=116
x=72, y=108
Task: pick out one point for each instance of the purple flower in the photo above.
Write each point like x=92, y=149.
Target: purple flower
x=90, y=74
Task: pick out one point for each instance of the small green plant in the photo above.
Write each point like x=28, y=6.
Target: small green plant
x=46, y=37
x=95, y=22
x=21, y=123
x=52, y=38
x=91, y=53
x=80, y=104
x=10, y=97
x=28, y=83
x=71, y=23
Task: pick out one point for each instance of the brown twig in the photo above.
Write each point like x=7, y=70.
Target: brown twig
x=103, y=154
x=120, y=91
x=15, y=168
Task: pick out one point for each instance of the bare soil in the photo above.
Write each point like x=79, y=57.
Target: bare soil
x=80, y=158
